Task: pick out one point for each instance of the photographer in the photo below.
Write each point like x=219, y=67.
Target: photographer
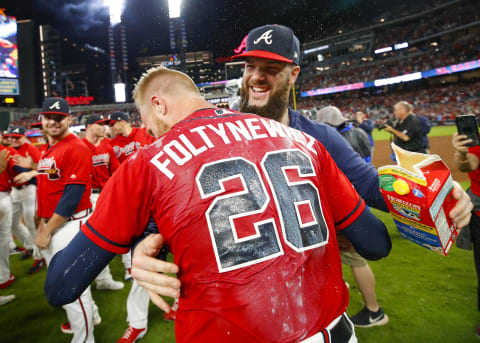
x=467, y=160
x=408, y=129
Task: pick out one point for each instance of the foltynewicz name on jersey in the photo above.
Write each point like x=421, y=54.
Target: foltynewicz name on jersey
x=182, y=150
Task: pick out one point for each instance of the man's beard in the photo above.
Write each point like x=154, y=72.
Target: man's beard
x=273, y=109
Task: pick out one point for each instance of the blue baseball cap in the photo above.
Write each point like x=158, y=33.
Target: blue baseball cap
x=273, y=42
x=55, y=106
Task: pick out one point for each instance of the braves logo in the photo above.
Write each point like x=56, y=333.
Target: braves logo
x=266, y=36
x=102, y=159
x=55, y=105
x=49, y=167
x=127, y=149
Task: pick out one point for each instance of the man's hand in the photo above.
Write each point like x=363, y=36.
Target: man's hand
x=462, y=211
x=25, y=177
x=388, y=128
x=460, y=142
x=148, y=271
x=24, y=162
x=43, y=236
x=4, y=158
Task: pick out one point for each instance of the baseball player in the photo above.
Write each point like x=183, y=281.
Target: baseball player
x=104, y=163
x=243, y=203
x=5, y=210
x=272, y=66
x=6, y=175
x=23, y=195
x=125, y=142
x=63, y=201
x=126, y=139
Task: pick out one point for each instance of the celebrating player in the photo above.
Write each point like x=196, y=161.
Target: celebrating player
x=243, y=203
x=271, y=68
x=63, y=201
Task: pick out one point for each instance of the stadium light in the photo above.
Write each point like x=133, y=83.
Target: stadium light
x=116, y=8
x=174, y=8
x=120, y=95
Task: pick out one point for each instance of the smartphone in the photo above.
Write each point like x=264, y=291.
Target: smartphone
x=467, y=125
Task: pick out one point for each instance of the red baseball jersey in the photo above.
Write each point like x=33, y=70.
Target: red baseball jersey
x=6, y=178
x=104, y=162
x=126, y=146
x=67, y=162
x=34, y=154
x=248, y=207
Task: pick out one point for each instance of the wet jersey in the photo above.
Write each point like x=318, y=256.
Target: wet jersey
x=249, y=209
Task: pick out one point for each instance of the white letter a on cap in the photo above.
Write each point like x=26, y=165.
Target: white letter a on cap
x=266, y=36
x=55, y=105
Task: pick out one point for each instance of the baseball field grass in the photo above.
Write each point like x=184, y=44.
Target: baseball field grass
x=428, y=298
x=381, y=135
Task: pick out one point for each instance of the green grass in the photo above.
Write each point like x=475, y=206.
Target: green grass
x=428, y=297
x=382, y=135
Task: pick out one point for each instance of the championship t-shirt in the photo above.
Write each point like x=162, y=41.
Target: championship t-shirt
x=67, y=162
x=104, y=162
x=126, y=146
x=249, y=209
x=33, y=152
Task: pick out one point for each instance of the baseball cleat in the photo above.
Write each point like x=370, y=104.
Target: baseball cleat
x=8, y=282
x=366, y=318
x=128, y=274
x=5, y=299
x=132, y=335
x=27, y=253
x=111, y=285
x=67, y=328
x=37, y=266
x=173, y=312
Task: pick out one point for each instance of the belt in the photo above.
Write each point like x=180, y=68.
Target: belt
x=340, y=330
x=96, y=191
x=20, y=187
x=75, y=216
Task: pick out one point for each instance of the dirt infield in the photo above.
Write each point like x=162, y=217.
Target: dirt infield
x=438, y=145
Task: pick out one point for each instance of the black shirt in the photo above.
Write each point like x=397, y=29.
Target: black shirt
x=412, y=127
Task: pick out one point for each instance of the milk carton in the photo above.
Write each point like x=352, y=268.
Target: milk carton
x=418, y=193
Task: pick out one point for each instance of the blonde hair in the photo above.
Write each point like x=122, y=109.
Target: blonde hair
x=406, y=105
x=167, y=81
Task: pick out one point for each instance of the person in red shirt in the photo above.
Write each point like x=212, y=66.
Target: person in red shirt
x=125, y=142
x=104, y=163
x=6, y=175
x=63, y=201
x=246, y=205
x=467, y=159
x=126, y=139
x=23, y=196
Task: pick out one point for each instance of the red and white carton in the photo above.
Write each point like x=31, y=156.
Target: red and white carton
x=418, y=193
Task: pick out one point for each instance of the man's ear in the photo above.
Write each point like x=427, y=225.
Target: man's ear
x=159, y=105
x=294, y=74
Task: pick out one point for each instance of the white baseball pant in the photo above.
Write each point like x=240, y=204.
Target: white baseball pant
x=5, y=235
x=79, y=312
x=23, y=203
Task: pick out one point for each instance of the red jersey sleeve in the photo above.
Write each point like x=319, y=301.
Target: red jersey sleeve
x=34, y=153
x=114, y=163
x=122, y=211
x=345, y=203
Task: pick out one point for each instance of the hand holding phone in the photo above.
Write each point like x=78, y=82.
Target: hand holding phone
x=467, y=126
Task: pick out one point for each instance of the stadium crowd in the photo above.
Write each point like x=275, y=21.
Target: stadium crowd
x=437, y=103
